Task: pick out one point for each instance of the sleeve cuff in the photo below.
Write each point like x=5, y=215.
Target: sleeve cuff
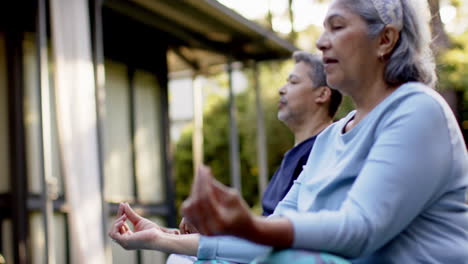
x=207, y=247
x=308, y=231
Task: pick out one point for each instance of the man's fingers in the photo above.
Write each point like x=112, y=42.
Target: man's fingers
x=182, y=226
x=119, y=239
x=124, y=228
x=120, y=225
x=132, y=216
x=120, y=210
x=173, y=231
x=124, y=216
x=116, y=227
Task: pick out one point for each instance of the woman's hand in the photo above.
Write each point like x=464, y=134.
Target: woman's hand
x=145, y=234
x=187, y=228
x=215, y=209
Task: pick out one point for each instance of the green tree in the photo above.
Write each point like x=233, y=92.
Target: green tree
x=453, y=65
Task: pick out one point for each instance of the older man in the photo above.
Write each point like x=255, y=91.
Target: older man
x=306, y=106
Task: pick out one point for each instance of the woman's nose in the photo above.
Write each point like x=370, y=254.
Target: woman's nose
x=322, y=43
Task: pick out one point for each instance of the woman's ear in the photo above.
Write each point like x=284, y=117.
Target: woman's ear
x=324, y=94
x=387, y=40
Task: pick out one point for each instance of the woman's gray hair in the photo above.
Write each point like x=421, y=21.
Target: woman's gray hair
x=411, y=59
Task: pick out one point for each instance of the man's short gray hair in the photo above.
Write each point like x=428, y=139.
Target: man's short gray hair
x=411, y=59
x=317, y=70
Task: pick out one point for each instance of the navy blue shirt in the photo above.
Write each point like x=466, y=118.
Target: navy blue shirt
x=282, y=180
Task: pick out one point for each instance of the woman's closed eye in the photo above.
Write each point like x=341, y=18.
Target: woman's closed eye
x=336, y=27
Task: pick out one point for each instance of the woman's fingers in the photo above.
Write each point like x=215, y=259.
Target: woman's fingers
x=195, y=213
x=186, y=227
x=188, y=211
x=205, y=206
x=202, y=181
x=200, y=194
x=199, y=213
x=222, y=192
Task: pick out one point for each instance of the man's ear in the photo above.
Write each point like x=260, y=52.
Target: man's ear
x=324, y=94
x=388, y=39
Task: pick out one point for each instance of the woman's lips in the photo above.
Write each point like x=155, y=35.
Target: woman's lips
x=329, y=63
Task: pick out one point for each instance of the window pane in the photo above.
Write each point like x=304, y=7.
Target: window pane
x=148, y=138
x=180, y=105
x=32, y=119
x=60, y=242
x=117, y=144
x=55, y=159
x=32, y=114
x=7, y=241
x=4, y=151
x=120, y=255
x=151, y=256
x=36, y=227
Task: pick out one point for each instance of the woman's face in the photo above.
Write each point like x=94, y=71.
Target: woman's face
x=348, y=51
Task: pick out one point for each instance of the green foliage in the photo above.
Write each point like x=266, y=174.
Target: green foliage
x=346, y=106
x=456, y=3
x=453, y=65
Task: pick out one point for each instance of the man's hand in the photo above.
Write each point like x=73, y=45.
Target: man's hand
x=144, y=235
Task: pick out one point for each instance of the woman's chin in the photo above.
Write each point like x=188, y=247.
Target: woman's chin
x=337, y=84
x=333, y=82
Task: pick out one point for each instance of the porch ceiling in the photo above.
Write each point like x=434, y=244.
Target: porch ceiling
x=206, y=32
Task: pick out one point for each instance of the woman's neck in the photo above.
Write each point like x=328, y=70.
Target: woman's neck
x=367, y=98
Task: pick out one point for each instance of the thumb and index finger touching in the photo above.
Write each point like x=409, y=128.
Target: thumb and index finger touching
x=124, y=208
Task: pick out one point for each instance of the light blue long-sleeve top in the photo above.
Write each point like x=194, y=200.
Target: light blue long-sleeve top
x=390, y=190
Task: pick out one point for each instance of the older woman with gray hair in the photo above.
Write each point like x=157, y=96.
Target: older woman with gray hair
x=385, y=184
